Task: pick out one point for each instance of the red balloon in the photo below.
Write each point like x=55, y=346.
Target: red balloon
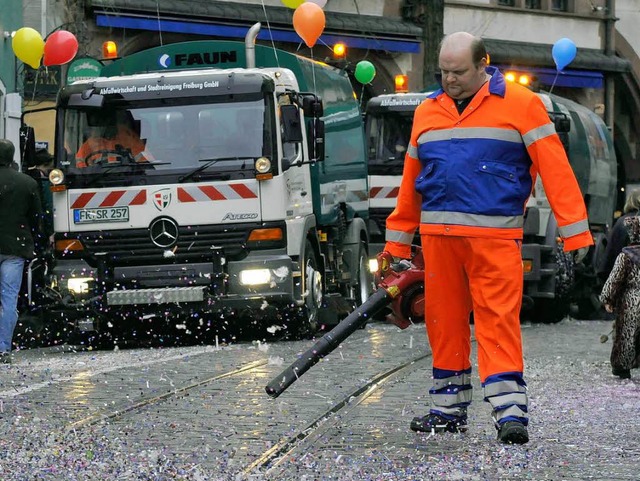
x=59, y=48
x=308, y=22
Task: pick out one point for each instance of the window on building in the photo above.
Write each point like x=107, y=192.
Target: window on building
x=507, y=3
x=533, y=4
x=559, y=5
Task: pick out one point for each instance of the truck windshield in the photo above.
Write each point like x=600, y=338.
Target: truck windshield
x=163, y=140
x=388, y=137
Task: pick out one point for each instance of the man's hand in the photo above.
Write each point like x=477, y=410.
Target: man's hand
x=579, y=254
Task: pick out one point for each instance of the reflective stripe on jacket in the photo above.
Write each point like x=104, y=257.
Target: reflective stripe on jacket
x=471, y=174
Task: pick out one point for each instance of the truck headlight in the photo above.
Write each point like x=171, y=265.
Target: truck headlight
x=263, y=165
x=263, y=169
x=79, y=285
x=56, y=176
x=254, y=277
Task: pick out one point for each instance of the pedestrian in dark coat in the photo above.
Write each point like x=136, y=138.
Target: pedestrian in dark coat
x=40, y=172
x=618, y=237
x=20, y=216
x=621, y=295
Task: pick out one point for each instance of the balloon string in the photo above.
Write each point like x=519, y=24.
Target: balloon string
x=159, y=24
x=361, y=95
x=554, y=81
x=273, y=45
x=35, y=84
x=313, y=72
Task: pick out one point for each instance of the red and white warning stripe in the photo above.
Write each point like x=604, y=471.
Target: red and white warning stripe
x=208, y=193
x=384, y=192
x=114, y=198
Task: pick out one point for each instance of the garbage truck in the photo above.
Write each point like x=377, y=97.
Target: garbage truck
x=552, y=284
x=233, y=190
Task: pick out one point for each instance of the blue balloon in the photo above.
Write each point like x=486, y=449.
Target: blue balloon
x=564, y=51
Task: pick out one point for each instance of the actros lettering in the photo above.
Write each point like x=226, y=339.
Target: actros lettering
x=231, y=216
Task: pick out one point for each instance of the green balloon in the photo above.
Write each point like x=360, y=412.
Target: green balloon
x=365, y=71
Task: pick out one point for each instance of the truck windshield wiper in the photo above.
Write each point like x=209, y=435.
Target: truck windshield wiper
x=208, y=163
x=122, y=167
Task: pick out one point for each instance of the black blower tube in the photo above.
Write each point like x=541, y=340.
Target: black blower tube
x=327, y=343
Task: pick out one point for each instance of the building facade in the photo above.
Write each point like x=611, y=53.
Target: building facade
x=605, y=75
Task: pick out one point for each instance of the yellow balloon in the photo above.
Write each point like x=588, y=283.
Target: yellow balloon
x=292, y=3
x=28, y=46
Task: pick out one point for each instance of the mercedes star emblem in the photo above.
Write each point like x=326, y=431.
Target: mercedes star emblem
x=163, y=232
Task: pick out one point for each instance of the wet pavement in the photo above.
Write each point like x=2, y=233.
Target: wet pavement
x=201, y=413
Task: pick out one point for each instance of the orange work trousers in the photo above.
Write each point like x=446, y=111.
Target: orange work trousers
x=483, y=274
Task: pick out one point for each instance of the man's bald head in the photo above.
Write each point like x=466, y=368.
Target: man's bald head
x=460, y=42
x=462, y=61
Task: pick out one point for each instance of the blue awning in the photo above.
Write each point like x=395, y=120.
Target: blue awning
x=230, y=31
x=565, y=78
x=516, y=54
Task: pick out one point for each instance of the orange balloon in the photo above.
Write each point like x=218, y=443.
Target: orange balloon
x=308, y=22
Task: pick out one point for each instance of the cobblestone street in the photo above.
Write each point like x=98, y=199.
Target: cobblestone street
x=202, y=413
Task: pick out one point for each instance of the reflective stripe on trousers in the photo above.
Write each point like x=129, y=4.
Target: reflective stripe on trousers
x=451, y=392
x=507, y=394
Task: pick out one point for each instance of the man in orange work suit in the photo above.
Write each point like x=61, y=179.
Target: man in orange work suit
x=476, y=148
x=113, y=139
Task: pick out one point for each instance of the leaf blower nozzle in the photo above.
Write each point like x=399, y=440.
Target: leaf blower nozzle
x=399, y=284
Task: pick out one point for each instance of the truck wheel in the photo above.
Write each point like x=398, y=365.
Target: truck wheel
x=362, y=289
x=311, y=287
x=550, y=311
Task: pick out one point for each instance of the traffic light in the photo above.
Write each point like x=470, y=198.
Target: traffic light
x=109, y=50
x=401, y=83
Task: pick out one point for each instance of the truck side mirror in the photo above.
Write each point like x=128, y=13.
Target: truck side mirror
x=312, y=106
x=316, y=140
x=561, y=122
x=292, y=130
x=27, y=147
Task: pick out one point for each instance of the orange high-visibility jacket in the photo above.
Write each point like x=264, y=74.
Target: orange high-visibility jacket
x=471, y=174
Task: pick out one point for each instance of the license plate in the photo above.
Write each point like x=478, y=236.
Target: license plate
x=104, y=214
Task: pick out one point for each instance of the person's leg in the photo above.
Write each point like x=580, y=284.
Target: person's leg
x=495, y=280
x=447, y=308
x=11, y=268
x=623, y=350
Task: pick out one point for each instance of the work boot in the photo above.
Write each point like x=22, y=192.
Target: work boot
x=513, y=432
x=434, y=423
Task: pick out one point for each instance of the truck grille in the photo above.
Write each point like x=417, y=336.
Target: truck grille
x=195, y=243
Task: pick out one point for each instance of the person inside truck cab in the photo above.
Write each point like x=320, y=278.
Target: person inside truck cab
x=113, y=137
x=396, y=140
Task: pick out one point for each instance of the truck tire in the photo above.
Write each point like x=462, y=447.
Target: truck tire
x=362, y=289
x=550, y=311
x=311, y=291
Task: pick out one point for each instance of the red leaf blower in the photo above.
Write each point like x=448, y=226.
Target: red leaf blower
x=399, y=284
